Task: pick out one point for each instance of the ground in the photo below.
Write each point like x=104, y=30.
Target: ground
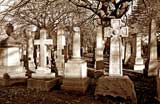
x=21, y=95
x=145, y=88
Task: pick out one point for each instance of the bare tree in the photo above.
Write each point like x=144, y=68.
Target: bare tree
x=105, y=9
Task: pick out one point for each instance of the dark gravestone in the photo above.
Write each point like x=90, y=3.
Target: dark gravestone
x=65, y=53
x=53, y=64
x=121, y=87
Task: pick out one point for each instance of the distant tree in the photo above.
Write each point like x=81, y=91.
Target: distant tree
x=105, y=9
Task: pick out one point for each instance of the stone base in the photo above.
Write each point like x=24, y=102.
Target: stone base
x=10, y=82
x=43, y=75
x=42, y=85
x=139, y=67
x=153, y=68
x=116, y=87
x=75, y=84
x=60, y=73
x=99, y=65
x=75, y=68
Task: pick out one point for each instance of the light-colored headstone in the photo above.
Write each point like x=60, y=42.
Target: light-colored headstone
x=43, y=70
x=76, y=67
x=153, y=62
x=76, y=44
x=10, y=62
x=60, y=47
x=116, y=32
x=31, y=64
x=139, y=62
x=99, y=47
x=127, y=52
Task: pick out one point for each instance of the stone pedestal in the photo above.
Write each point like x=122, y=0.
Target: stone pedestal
x=43, y=73
x=75, y=73
x=41, y=84
x=75, y=84
x=75, y=68
x=11, y=71
x=139, y=63
x=10, y=63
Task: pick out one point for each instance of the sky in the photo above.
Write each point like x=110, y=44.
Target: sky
x=4, y=4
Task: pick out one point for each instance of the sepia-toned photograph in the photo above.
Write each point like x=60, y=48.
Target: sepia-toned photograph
x=79, y=51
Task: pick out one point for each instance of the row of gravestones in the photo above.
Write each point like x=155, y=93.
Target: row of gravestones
x=75, y=70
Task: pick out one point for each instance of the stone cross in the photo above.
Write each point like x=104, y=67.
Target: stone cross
x=139, y=62
x=43, y=42
x=116, y=32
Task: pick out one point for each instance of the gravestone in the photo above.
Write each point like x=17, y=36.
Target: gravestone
x=127, y=52
x=99, y=63
x=139, y=62
x=60, y=61
x=117, y=85
x=31, y=64
x=153, y=62
x=43, y=79
x=116, y=32
x=10, y=64
x=75, y=73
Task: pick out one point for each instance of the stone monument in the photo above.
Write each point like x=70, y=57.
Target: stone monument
x=153, y=61
x=116, y=32
x=75, y=73
x=99, y=63
x=60, y=61
x=10, y=65
x=43, y=79
x=139, y=62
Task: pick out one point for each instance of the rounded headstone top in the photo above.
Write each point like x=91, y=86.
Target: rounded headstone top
x=60, y=31
x=76, y=29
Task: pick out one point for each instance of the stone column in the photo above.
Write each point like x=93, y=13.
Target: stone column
x=99, y=64
x=153, y=63
x=76, y=43
x=60, y=56
x=127, y=52
x=31, y=64
x=75, y=73
x=139, y=64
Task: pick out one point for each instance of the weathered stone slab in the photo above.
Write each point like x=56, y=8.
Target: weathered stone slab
x=75, y=84
x=41, y=84
x=116, y=87
x=10, y=82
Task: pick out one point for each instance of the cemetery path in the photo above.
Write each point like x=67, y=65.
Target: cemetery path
x=22, y=95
